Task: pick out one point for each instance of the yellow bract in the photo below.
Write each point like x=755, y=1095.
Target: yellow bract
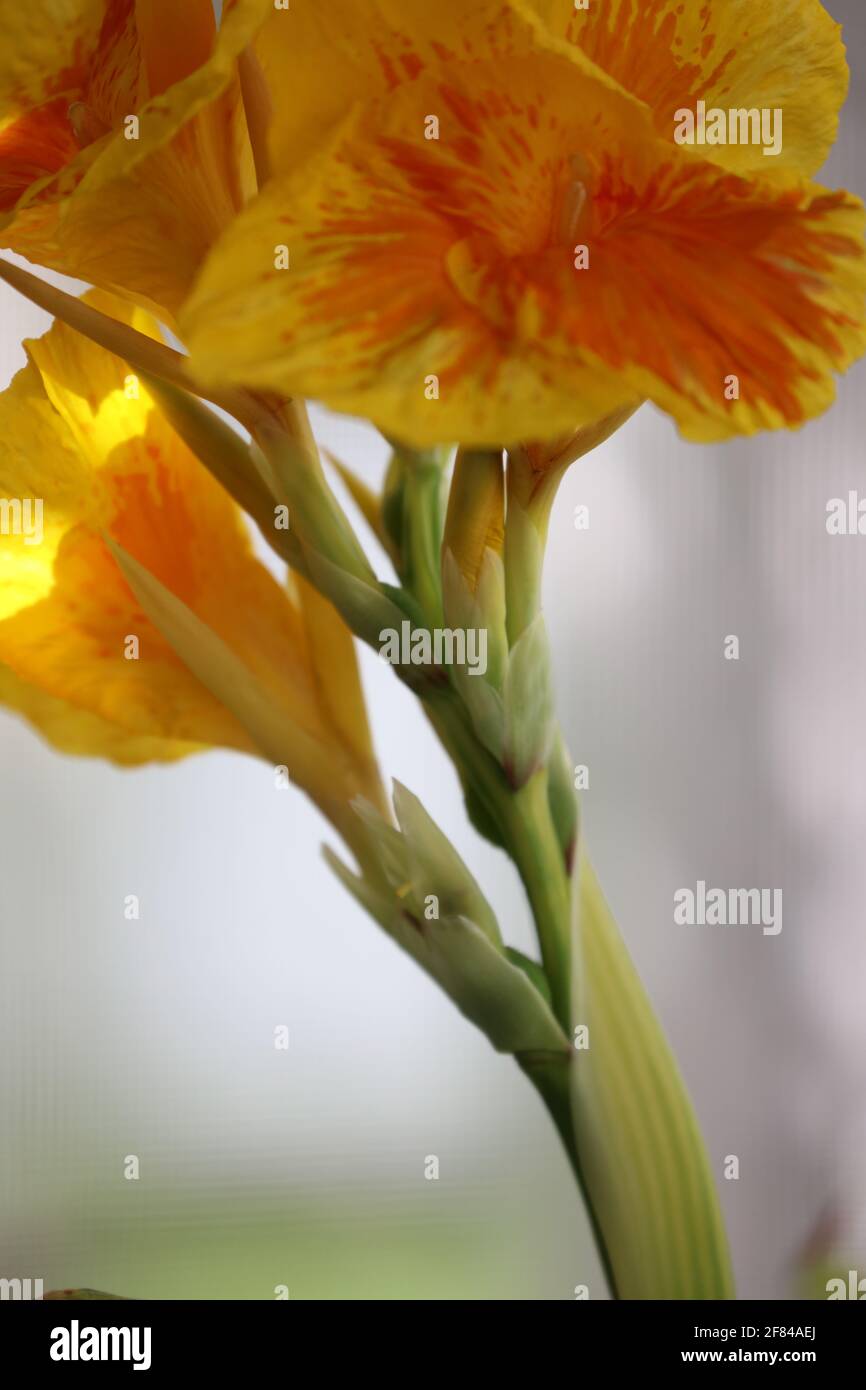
x=87, y=463
x=480, y=225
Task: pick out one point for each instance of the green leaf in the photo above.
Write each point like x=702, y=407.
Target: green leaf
x=641, y=1155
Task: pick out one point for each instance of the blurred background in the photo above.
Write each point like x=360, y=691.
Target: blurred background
x=306, y=1168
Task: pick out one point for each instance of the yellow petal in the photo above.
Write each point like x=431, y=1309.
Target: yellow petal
x=784, y=55
x=135, y=210
x=44, y=44
x=66, y=615
x=174, y=39
x=75, y=731
x=79, y=435
x=434, y=287
x=762, y=353
x=382, y=312
x=320, y=58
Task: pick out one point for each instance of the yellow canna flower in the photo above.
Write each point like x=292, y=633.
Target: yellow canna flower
x=123, y=143
x=494, y=233
x=90, y=471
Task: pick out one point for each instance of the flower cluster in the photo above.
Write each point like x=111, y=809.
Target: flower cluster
x=499, y=226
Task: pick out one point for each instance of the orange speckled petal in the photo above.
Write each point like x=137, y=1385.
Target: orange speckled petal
x=321, y=58
x=434, y=284
x=732, y=54
x=132, y=208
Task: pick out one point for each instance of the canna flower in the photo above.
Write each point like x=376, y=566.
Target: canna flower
x=493, y=234
x=90, y=471
x=123, y=144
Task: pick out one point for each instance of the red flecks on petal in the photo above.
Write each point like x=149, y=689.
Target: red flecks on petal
x=446, y=55
x=463, y=108
x=113, y=88
x=38, y=144
x=412, y=65
x=388, y=70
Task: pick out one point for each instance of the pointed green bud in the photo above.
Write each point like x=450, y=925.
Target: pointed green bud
x=483, y=610
x=365, y=606
x=562, y=799
x=389, y=845
x=524, y=557
x=436, y=867
x=498, y=996
x=475, y=522
x=530, y=723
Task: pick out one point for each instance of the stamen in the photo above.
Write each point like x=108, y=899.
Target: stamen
x=572, y=201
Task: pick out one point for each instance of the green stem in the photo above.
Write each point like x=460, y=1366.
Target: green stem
x=550, y=1075
x=533, y=844
x=527, y=832
x=422, y=536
